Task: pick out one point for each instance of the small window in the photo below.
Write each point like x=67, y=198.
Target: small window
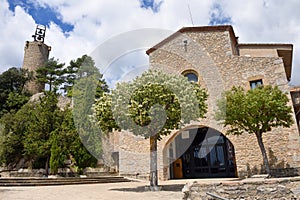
x=191, y=76
x=256, y=83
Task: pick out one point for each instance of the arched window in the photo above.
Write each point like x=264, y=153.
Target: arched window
x=192, y=76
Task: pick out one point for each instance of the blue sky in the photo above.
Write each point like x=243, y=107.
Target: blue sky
x=151, y=4
x=217, y=16
x=77, y=27
x=42, y=14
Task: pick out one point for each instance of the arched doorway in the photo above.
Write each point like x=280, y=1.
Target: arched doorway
x=201, y=153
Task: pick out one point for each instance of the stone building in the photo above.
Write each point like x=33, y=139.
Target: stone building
x=213, y=57
x=36, y=53
x=295, y=92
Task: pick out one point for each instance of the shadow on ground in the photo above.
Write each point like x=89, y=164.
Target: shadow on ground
x=8, y=190
x=170, y=188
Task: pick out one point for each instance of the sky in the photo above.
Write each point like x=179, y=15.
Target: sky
x=75, y=28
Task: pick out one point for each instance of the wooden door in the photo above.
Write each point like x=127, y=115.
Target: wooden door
x=177, y=168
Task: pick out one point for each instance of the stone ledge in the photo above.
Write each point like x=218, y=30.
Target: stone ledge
x=273, y=188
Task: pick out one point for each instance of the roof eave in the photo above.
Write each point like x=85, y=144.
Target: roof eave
x=194, y=29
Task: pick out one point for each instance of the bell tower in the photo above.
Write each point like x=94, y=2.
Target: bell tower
x=36, y=54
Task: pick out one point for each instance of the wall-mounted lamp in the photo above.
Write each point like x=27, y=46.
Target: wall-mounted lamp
x=185, y=42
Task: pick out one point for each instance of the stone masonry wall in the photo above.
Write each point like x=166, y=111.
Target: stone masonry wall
x=35, y=56
x=258, y=52
x=287, y=188
x=134, y=155
x=210, y=55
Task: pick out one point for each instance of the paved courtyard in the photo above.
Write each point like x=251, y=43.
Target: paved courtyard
x=134, y=190
x=123, y=191
x=109, y=191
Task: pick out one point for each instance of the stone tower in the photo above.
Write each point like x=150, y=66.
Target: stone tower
x=35, y=55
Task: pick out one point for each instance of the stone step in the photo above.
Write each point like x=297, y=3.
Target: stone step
x=59, y=181
x=260, y=176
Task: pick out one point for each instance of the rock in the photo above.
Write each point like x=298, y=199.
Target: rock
x=252, y=190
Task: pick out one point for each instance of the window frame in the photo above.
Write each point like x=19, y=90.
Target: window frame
x=256, y=83
x=192, y=72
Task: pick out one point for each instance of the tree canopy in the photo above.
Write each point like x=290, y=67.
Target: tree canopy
x=151, y=106
x=39, y=132
x=12, y=92
x=51, y=73
x=180, y=100
x=82, y=67
x=255, y=111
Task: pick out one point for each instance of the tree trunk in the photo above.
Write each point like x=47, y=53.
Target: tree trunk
x=263, y=151
x=153, y=163
x=47, y=166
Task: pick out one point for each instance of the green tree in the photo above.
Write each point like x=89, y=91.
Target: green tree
x=52, y=74
x=71, y=74
x=14, y=125
x=40, y=131
x=69, y=143
x=55, y=158
x=255, y=111
x=82, y=156
x=45, y=119
x=12, y=92
x=89, y=86
x=152, y=105
x=80, y=68
x=14, y=79
x=11, y=146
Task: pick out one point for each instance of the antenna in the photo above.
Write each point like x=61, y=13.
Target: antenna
x=190, y=13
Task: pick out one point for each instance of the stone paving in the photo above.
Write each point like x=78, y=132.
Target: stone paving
x=123, y=191
x=296, y=190
x=171, y=189
x=135, y=190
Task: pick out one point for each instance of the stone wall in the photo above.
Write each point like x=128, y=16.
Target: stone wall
x=62, y=172
x=255, y=52
x=282, y=189
x=134, y=155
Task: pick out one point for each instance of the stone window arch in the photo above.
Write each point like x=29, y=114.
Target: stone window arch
x=191, y=75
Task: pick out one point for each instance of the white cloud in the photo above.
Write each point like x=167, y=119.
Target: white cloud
x=15, y=29
x=97, y=21
x=268, y=22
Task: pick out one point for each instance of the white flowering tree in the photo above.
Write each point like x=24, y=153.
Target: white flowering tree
x=151, y=106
